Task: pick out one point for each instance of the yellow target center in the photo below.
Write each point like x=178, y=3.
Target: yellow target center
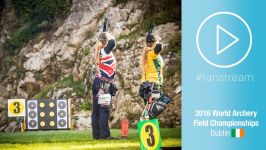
x=42, y=114
x=42, y=123
x=52, y=123
x=51, y=104
x=51, y=114
x=42, y=104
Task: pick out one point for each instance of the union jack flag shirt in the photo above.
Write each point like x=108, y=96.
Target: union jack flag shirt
x=107, y=65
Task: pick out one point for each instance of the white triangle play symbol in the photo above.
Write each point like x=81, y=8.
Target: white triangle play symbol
x=220, y=50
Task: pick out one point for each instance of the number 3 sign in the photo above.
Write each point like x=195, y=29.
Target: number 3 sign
x=149, y=134
x=16, y=107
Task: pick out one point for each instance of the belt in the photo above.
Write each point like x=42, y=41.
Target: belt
x=105, y=79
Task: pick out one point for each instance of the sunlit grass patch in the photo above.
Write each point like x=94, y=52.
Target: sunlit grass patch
x=70, y=140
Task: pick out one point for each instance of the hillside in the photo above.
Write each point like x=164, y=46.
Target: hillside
x=47, y=51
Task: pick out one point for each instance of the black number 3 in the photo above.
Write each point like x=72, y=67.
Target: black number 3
x=17, y=109
x=151, y=139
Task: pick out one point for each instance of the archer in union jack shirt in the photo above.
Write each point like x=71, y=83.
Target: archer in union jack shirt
x=106, y=61
x=106, y=65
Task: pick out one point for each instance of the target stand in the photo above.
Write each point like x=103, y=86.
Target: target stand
x=47, y=114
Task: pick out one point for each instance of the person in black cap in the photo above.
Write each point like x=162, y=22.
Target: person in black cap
x=103, y=84
x=152, y=78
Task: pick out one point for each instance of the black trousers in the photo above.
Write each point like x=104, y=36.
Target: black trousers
x=157, y=106
x=146, y=88
x=100, y=115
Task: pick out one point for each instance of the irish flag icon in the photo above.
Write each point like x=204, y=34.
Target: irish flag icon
x=238, y=133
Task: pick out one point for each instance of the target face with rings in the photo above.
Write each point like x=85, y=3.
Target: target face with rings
x=32, y=105
x=47, y=114
x=61, y=105
x=61, y=113
x=62, y=122
x=32, y=114
x=32, y=123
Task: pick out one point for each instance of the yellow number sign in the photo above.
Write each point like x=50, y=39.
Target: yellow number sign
x=16, y=107
x=149, y=135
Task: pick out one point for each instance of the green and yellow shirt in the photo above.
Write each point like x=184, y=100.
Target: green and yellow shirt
x=154, y=68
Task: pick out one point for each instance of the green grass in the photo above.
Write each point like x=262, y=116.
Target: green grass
x=58, y=140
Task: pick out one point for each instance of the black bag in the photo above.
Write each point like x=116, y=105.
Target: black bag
x=158, y=106
x=147, y=89
x=113, y=89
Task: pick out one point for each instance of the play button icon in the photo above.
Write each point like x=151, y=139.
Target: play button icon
x=221, y=32
x=224, y=39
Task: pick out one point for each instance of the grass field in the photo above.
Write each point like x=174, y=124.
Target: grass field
x=58, y=140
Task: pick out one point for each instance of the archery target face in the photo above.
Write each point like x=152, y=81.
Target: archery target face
x=32, y=117
x=47, y=114
x=61, y=114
